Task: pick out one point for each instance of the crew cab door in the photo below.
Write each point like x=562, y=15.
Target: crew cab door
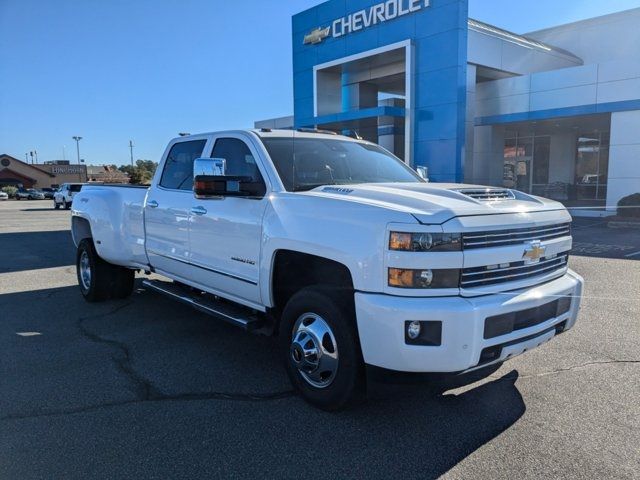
x=168, y=208
x=226, y=232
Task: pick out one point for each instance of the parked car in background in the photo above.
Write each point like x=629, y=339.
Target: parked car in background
x=48, y=192
x=29, y=194
x=4, y=196
x=64, y=196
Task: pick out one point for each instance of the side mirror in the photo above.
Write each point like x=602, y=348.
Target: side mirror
x=210, y=181
x=423, y=172
x=209, y=167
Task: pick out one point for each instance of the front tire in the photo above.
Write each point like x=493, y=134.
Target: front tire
x=56, y=205
x=67, y=205
x=100, y=280
x=321, y=348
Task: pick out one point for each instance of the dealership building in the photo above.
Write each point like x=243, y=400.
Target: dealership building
x=554, y=112
x=15, y=172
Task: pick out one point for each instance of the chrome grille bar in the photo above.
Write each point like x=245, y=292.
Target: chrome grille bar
x=514, y=237
x=468, y=272
x=515, y=271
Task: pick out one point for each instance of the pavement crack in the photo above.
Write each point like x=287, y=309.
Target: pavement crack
x=245, y=397
x=144, y=389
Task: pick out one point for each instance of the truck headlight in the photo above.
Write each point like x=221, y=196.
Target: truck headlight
x=423, y=278
x=425, y=242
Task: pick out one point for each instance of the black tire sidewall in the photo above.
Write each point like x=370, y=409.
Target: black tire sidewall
x=348, y=386
x=86, y=245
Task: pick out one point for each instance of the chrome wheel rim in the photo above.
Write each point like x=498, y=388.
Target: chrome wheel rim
x=314, y=351
x=85, y=270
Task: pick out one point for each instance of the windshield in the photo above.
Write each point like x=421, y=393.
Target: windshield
x=306, y=163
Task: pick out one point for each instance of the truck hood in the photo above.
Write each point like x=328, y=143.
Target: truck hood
x=436, y=203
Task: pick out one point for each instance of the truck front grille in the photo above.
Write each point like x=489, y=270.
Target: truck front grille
x=512, y=272
x=501, y=238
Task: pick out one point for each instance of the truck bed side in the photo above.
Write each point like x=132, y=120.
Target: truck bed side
x=113, y=215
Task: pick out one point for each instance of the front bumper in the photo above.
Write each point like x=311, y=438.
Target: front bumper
x=381, y=325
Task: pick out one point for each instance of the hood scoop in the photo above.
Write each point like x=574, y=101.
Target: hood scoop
x=488, y=194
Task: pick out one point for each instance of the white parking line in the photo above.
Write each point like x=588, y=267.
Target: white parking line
x=632, y=254
x=28, y=334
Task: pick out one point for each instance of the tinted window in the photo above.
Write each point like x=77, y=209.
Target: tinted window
x=75, y=188
x=239, y=160
x=307, y=163
x=178, y=169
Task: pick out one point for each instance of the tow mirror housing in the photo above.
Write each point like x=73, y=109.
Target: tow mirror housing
x=210, y=181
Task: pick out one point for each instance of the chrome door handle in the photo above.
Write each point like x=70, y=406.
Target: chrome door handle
x=152, y=204
x=199, y=210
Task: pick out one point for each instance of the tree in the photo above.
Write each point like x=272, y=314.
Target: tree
x=141, y=173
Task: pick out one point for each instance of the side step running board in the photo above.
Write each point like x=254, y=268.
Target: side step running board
x=242, y=317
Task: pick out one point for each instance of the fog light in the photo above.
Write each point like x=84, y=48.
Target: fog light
x=413, y=330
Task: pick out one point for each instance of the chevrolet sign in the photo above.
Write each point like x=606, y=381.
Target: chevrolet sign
x=362, y=19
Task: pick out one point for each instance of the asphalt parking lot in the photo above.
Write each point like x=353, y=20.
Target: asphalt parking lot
x=148, y=388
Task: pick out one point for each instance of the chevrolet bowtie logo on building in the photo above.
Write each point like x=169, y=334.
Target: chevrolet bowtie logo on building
x=534, y=252
x=365, y=18
x=317, y=35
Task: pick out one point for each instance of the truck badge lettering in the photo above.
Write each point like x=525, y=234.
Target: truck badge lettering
x=243, y=260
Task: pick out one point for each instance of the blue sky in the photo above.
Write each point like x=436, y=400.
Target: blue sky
x=145, y=70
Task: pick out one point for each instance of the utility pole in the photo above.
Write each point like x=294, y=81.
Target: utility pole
x=131, y=150
x=35, y=152
x=26, y=157
x=77, y=139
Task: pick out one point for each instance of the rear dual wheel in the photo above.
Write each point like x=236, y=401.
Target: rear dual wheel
x=100, y=280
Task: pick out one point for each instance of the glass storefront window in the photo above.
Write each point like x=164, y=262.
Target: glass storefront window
x=592, y=166
x=526, y=163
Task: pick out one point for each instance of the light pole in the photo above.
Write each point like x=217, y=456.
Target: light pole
x=131, y=149
x=77, y=139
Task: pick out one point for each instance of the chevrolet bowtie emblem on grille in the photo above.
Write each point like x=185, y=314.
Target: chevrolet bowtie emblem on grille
x=534, y=252
x=316, y=36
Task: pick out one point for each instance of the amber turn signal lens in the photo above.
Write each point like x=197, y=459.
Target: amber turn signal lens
x=401, y=278
x=426, y=278
x=400, y=241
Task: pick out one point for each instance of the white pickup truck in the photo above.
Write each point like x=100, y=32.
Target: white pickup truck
x=341, y=250
x=63, y=197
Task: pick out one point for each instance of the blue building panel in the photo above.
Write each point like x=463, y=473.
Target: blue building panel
x=426, y=96
x=437, y=32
